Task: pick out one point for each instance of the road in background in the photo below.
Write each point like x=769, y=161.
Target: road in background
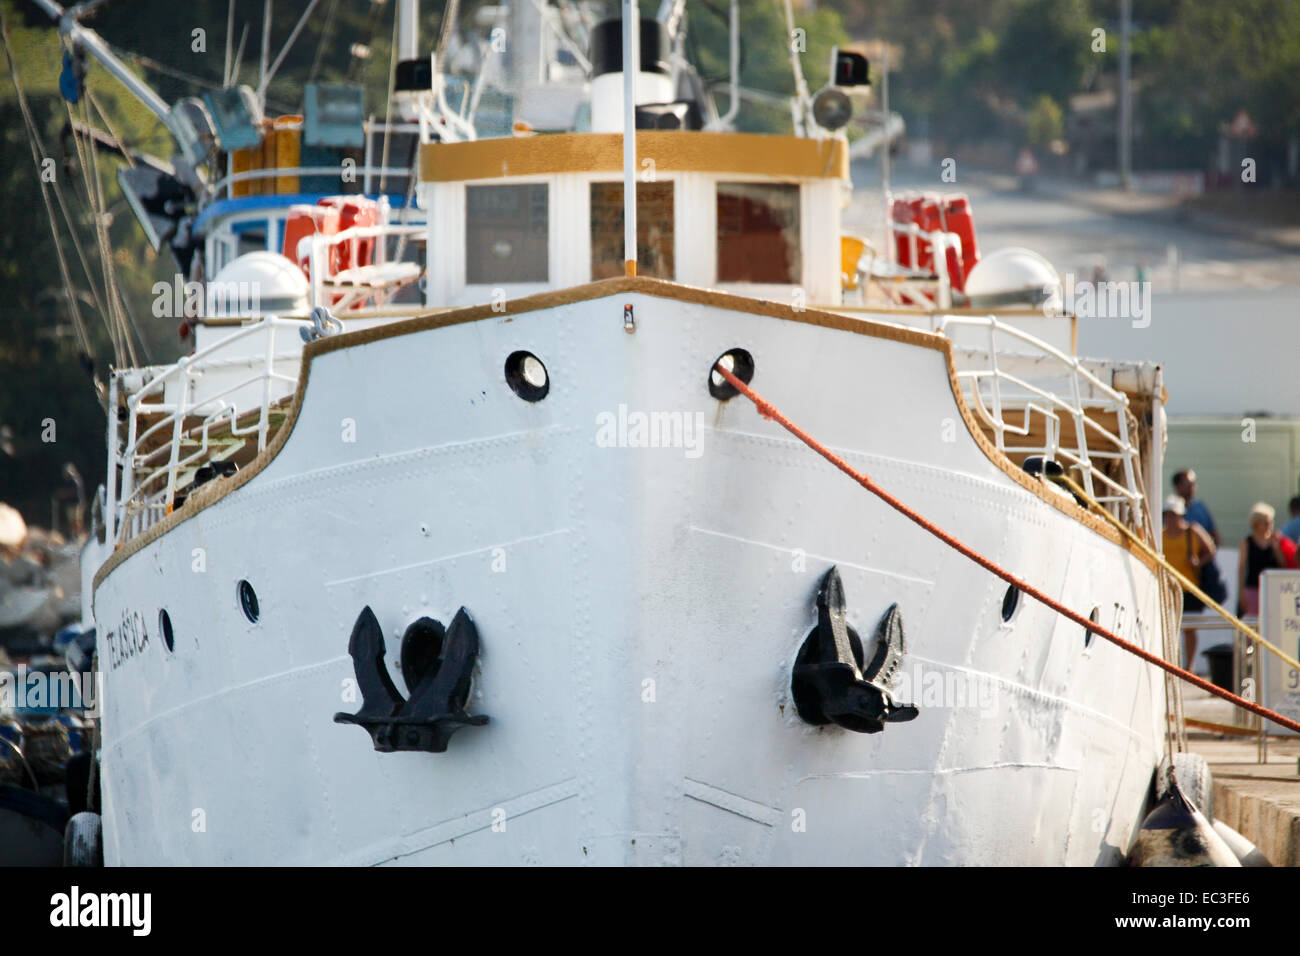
x=1225, y=311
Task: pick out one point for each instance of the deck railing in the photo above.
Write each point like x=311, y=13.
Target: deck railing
x=316, y=248
x=1068, y=391
x=368, y=175
x=167, y=404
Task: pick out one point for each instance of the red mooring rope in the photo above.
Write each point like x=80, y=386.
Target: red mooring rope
x=768, y=410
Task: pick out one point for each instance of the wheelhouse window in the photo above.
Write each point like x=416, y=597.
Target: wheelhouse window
x=758, y=233
x=506, y=234
x=654, y=230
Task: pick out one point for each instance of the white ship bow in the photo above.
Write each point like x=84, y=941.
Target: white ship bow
x=639, y=611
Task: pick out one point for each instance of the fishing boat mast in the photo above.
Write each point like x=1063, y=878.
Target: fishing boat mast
x=87, y=40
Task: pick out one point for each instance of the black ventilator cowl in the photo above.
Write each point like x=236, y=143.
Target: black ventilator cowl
x=607, y=47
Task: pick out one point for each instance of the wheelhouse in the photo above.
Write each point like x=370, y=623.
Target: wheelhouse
x=747, y=213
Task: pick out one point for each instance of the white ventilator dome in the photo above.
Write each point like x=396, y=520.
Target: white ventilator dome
x=257, y=284
x=1014, y=276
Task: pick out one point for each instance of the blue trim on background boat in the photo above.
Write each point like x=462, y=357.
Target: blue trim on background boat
x=225, y=207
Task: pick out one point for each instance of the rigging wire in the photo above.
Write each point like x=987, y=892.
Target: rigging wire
x=135, y=327
x=107, y=313
x=269, y=75
x=126, y=153
x=239, y=57
x=57, y=188
x=450, y=14
x=388, y=106
x=724, y=16
x=325, y=34
x=106, y=253
x=33, y=141
x=121, y=144
x=148, y=62
x=230, y=40
x=356, y=68
x=80, y=248
x=151, y=64
x=61, y=197
x=124, y=350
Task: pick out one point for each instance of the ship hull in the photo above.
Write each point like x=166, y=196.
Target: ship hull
x=639, y=610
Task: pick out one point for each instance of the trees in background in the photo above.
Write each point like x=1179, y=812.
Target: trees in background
x=981, y=69
x=764, y=53
x=1210, y=60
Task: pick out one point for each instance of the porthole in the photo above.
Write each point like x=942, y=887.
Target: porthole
x=526, y=376
x=165, y=628
x=1088, y=635
x=248, y=602
x=736, y=361
x=1010, y=603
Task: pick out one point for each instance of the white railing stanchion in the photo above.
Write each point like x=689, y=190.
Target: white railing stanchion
x=264, y=420
x=1009, y=393
x=1000, y=427
x=178, y=428
x=110, y=494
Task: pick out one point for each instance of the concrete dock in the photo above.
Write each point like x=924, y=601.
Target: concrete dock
x=1261, y=801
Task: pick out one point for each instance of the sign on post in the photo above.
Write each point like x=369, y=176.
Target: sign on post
x=1279, y=622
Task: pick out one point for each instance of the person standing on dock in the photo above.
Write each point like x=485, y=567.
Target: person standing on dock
x=1260, y=551
x=1187, y=547
x=1197, y=511
x=1292, y=528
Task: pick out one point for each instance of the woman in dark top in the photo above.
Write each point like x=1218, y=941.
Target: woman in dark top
x=1260, y=551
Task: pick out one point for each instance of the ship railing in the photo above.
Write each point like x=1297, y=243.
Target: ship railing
x=368, y=174
x=385, y=282
x=439, y=122
x=148, y=492
x=373, y=177
x=940, y=242
x=997, y=394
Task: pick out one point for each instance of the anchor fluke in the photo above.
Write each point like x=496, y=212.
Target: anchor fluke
x=379, y=696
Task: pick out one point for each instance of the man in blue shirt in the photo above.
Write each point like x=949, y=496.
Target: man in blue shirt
x=1185, y=485
x=1292, y=528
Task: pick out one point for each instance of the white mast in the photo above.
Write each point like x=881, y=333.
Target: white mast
x=266, y=55
x=802, y=99
x=727, y=122
x=1125, y=138
x=230, y=44
x=408, y=29
x=631, y=67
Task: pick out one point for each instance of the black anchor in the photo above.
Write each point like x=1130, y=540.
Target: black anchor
x=437, y=665
x=830, y=682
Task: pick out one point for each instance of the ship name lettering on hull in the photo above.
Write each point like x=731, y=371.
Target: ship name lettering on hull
x=129, y=640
